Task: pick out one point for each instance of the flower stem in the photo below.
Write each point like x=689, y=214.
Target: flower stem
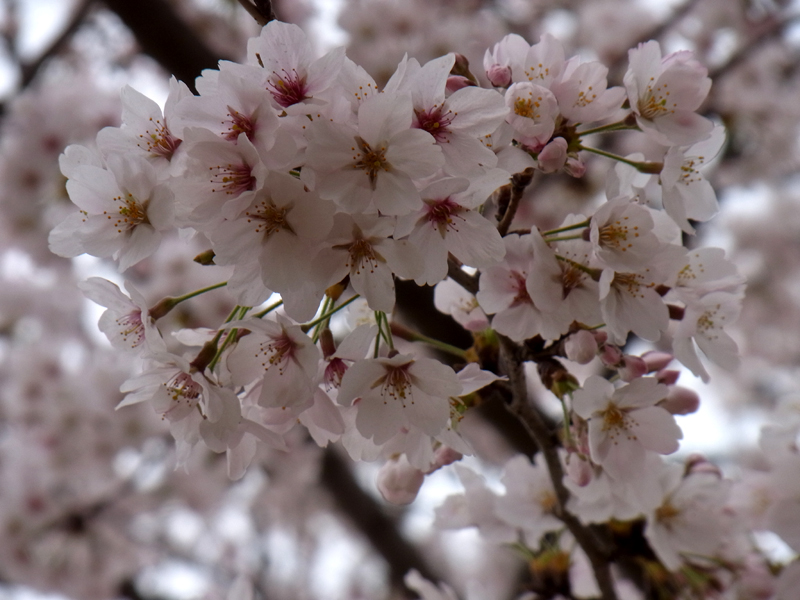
x=239, y=312
x=565, y=238
x=307, y=327
x=162, y=307
x=618, y=126
x=413, y=336
x=567, y=228
x=653, y=168
x=268, y=310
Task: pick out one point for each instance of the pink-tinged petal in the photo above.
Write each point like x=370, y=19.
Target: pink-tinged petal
x=415, y=153
x=143, y=242
x=382, y=117
x=656, y=429
x=477, y=242
x=376, y=284
x=359, y=379
x=379, y=421
x=430, y=81
x=434, y=378
x=641, y=392
x=592, y=397
x=395, y=194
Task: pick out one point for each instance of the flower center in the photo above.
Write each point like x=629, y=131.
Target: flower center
x=370, y=161
x=239, y=124
x=441, y=214
x=334, y=372
x=362, y=257
x=527, y=108
x=131, y=213
x=234, y=179
x=435, y=123
x=269, y=218
x=522, y=296
x=287, y=88
x=277, y=351
x=613, y=235
x=131, y=325
x=397, y=383
x=158, y=140
x=654, y=102
x=183, y=387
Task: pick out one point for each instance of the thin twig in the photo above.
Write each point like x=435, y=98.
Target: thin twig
x=461, y=277
x=260, y=10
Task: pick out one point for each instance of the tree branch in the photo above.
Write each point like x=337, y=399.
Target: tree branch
x=596, y=550
x=164, y=36
x=368, y=517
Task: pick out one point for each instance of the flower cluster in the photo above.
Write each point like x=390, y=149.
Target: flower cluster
x=318, y=189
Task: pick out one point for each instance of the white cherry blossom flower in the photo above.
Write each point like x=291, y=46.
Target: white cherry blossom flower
x=622, y=235
x=374, y=166
x=280, y=357
x=449, y=222
x=703, y=321
x=689, y=523
x=399, y=392
x=533, y=114
x=123, y=209
x=665, y=92
x=686, y=194
x=127, y=323
x=625, y=422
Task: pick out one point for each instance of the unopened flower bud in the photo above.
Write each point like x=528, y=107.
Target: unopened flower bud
x=499, y=75
x=457, y=82
x=601, y=337
x=632, y=368
x=668, y=376
x=575, y=167
x=553, y=156
x=578, y=469
x=444, y=456
x=399, y=482
x=697, y=463
x=461, y=66
x=610, y=355
x=680, y=401
x=656, y=360
x=581, y=347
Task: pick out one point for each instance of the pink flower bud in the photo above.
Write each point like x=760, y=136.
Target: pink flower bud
x=499, y=75
x=457, y=82
x=399, y=482
x=581, y=347
x=610, y=355
x=680, y=401
x=632, y=367
x=444, y=456
x=553, y=156
x=668, y=376
x=697, y=463
x=575, y=167
x=656, y=360
x=579, y=469
x=601, y=337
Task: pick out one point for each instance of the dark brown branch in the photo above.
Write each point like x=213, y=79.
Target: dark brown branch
x=368, y=517
x=461, y=277
x=519, y=181
x=163, y=35
x=28, y=71
x=260, y=10
x=596, y=550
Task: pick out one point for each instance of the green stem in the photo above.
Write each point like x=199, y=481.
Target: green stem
x=593, y=273
x=326, y=305
x=566, y=238
x=384, y=330
x=618, y=126
x=580, y=225
x=307, y=327
x=268, y=310
x=413, y=336
x=180, y=299
x=653, y=168
x=239, y=312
